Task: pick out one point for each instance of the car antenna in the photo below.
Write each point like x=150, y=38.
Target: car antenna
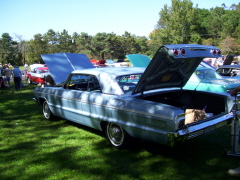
x=198, y=84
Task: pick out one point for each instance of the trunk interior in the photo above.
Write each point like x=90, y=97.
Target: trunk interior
x=187, y=99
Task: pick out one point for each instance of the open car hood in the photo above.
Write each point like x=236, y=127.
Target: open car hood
x=172, y=66
x=139, y=60
x=61, y=65
x=228, y=60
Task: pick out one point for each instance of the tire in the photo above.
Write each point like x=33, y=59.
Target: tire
x=117, y=136
x=47, y=113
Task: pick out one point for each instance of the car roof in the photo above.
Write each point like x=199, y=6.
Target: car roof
x=111, y=71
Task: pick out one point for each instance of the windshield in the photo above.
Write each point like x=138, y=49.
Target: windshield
x=207, y=74
x=128, y=82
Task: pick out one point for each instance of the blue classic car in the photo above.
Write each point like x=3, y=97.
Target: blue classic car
x=133, y=102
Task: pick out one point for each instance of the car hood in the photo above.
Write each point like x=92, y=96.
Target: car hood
x=60, y=65
x=139, y=60
x=173, y=65
x=228, y=60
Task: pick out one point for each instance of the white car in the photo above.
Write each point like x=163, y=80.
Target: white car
x=120, y=63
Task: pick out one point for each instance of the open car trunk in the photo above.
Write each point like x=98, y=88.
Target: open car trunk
x=215, y=105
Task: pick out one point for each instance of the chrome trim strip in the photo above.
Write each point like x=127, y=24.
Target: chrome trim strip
x=114, y=107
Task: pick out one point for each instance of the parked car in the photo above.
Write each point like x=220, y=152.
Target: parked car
x=134, y=102
x=232, y=71
x=204, y=78
x=95, y=63
x=110, y=62
x=37, y=75
x=226, y=71
x=120, y=63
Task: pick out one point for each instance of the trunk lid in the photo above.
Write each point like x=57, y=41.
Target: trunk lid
x=173, y=65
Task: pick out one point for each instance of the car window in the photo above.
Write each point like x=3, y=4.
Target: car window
x=83, y=83
x=224, y=71
x=128, y=82
x=207, y=74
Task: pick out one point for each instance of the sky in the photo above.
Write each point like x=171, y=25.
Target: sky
x=22, y=19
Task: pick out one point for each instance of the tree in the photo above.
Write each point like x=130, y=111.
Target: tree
x=51, y=39
x=177, y=22
x=20, y=51
x=7, y=47
x=64, y=42
x=84, y=44
x=74, y=41
x=141, y=45
x=102, y=44
x=215, y=27
x=229, y=46
x=128, y=43
x=36, y=47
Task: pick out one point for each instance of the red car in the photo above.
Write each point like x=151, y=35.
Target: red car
x=37, y=75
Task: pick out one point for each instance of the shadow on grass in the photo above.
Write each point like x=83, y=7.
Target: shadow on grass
x=34, y=148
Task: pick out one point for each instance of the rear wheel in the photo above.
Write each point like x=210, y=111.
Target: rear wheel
x=117, y=136
x=47, y=113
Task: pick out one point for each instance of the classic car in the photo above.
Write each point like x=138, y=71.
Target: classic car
x=37, y=75
x=232, y=71
x=110, y=62
x=133, y=102
x=120, y=63
x=204, y=78
x=94, y=62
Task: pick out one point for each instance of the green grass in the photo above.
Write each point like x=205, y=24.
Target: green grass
x=34, y=148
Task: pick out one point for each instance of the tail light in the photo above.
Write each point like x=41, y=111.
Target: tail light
x=183, y=51
x=214, y=52
x=175, y=52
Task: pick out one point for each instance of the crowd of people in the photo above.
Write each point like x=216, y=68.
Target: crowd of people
x=9, y=73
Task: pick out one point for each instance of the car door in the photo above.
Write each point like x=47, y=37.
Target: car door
x=68, y=99
x=92, y=101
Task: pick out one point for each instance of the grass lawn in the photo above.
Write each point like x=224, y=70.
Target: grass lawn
x=34, y=148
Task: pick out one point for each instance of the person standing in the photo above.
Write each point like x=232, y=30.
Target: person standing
x=7, y=73
x=17, y=77
x=234, y=172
